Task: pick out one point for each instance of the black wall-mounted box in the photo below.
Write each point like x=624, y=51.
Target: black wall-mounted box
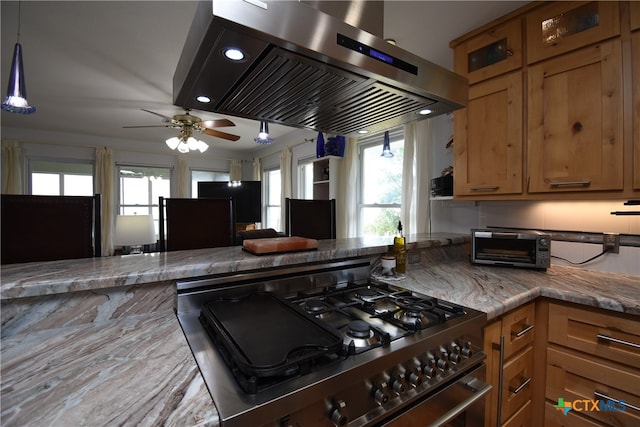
x=442, y=186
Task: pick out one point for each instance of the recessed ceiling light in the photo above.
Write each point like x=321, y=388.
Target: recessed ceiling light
x=234, y=54
x=204, y=99
x=425, y=112
x=363, y=131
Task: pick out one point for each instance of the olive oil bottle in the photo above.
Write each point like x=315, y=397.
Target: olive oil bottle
x=399, y=249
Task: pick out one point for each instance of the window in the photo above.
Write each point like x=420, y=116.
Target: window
x=200, y=175
x=381, y=186
x=49, y=178
x=140, y=189
x=272, y=189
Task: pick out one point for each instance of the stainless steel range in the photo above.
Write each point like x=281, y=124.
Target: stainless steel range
x=321, y=344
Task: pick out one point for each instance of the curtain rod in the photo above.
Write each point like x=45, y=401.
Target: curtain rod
x=114, y=148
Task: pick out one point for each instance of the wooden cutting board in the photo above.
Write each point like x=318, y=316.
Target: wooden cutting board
x=279, y=245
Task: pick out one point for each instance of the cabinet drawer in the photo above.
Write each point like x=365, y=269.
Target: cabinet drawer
x=522, y=418
x=560, y=27
x=516, y=385
x=581, y=380
x=494, y=52
x=517, y=329
x=603, y=335
x=555, y=418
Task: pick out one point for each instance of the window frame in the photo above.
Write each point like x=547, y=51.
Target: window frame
x=61, y=174
x=377, y=140
x=266, y=183
x=214, y=171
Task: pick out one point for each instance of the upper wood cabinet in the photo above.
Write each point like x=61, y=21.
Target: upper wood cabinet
x=635, y=15
x=491, y=53
x=575, y=137
x=560, y=27
x=488, y=139
x=635, y=43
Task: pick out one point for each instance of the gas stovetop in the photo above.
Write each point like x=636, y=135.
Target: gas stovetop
x=312, y=338
x=266, y=339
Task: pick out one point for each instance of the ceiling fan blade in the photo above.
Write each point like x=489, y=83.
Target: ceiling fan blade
x=149, y=126
x=218, y=123
x=218, y=134
x=166, y=118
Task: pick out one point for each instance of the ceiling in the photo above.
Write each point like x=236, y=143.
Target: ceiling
x=91, y=66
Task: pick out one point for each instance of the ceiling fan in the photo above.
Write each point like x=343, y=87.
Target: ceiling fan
x=187, y=123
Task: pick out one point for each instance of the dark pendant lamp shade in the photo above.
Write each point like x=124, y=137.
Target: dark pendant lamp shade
x=386, y=146
x=263, y=135
x=16, y=101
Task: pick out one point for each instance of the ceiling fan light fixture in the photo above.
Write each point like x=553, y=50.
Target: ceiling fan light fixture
x=263, y=135
x=183, y=147
x=173, y=142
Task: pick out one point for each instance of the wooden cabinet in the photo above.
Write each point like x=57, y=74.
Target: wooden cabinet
x=634, y=15
x=325, y=177
x=488, y=145
x=635, y=45
x=575, y=136
x=491, y=53
x=560, y=27
x=508, y=343
x=593, y=364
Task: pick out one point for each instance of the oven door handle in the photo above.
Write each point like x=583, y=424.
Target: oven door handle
x=479, y=387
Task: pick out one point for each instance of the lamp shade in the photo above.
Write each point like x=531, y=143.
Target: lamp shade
x=134, y=230
x=16, y=101
x=386, y=146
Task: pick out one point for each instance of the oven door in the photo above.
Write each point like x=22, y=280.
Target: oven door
x=461, y=403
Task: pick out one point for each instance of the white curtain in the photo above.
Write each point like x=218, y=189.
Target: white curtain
x=347, y=203
x=11, y=168
x=235, y=170
x=184, y=180
x=423, y=174
x=105, y=186
x=285, y=179
x=257, y=169
x=408, y=212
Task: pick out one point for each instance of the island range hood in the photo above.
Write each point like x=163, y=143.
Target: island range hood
x=308, y=69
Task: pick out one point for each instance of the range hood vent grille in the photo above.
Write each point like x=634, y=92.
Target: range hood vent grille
x=291, y=89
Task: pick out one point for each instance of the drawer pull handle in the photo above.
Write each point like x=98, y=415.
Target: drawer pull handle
x=617, y=341
x=560, y=183
x=520, y=387
x=601, y=395
x=526, y=329
x=484, y=188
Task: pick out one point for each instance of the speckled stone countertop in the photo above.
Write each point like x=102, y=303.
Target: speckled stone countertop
x=106, y=348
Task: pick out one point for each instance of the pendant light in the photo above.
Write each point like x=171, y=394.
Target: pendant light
x=16, y=101
x=386, y=146
x=263, y=135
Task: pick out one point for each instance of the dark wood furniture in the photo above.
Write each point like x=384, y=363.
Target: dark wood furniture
x=49, y=228
x=196, y=223
x=315, y=219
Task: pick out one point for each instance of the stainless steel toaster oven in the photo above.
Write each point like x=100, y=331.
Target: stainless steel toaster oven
x=513, y=248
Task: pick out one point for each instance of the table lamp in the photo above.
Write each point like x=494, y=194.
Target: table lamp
x=134, y=231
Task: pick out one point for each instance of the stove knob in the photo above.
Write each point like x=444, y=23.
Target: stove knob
x=466, y=350
x=414, y=379
x=379, y=394
x=454, y=354
x=397, y=385
x=442, y=364
x=338, y=416
x=429, y=366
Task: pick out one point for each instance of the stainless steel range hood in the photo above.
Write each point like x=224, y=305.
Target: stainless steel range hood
x=307, y=69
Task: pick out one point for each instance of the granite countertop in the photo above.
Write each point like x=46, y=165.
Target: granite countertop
x=138, y=369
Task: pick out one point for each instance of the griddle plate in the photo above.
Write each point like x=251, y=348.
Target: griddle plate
x=267, y=336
